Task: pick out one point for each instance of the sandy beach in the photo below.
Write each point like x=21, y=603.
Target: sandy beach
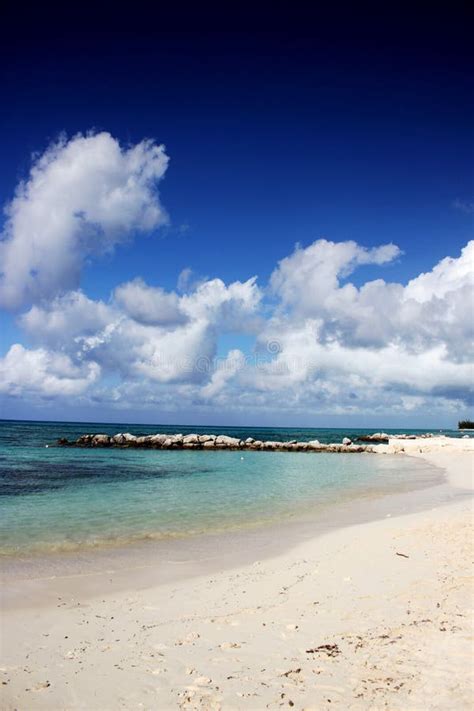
x=376, y=615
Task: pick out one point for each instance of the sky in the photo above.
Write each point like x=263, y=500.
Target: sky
x=222, y=214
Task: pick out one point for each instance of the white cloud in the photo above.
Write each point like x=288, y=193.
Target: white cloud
x=225, y=371
x=185, y=279
x=149, y=305
x=305, y=279
x=448, y=275
x=59, y=322
x=184, y=354
x=173, y=356
x=435, y=308
x=304, y=357
x=323, y=343
x=44, y=373
x=232, y=307
x=348, y=349
x=82, y=197
x=145, y=331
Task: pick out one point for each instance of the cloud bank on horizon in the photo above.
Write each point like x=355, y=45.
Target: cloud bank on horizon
x=321, y=343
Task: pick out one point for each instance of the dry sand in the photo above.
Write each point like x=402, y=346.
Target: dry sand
x=372, y=616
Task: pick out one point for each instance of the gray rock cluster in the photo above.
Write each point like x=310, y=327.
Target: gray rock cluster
x=209, y=442
x=383, y=437
x=378, y=437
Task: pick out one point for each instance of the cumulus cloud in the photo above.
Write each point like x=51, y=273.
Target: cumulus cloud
x=45, y=373
x=185, y=279
x=303, y=356
x=82, y=197
x=322, y=342
x=225, y=371
x=229, y=306
x=435, y=308
x=304, y=280
x=145, y=332
x=149, y=305
x=65, y=319
x=139, y=341
x=447, y=276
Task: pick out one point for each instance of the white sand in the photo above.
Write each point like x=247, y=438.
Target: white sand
x=393, y=631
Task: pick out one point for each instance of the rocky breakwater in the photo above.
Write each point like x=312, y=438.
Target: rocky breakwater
x=384, y=438
x=208, y=442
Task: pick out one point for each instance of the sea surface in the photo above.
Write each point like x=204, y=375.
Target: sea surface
x=60, y=499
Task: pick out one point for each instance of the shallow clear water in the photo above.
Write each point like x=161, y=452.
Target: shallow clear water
x=58, y=499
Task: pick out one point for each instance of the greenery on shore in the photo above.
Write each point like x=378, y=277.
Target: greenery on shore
x=466, y=425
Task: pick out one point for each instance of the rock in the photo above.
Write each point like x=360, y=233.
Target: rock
x=100, y=440
x=191, y=439
x=124, y=438
x=195, y=441
x=85, y=439
x=159, y=439
x=225, y=442
x=206, y=438
x=357, y=448
x=143, y=441
x=376, y=437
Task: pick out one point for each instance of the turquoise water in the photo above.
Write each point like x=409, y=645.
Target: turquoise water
x=59, y=499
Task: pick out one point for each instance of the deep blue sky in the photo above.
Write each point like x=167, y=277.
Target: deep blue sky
x=283, y=124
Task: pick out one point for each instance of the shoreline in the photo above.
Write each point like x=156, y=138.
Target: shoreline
x=240, y=638
x=291, y=517
x=173, y=559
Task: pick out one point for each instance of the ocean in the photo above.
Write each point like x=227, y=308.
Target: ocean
x=66, y=499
